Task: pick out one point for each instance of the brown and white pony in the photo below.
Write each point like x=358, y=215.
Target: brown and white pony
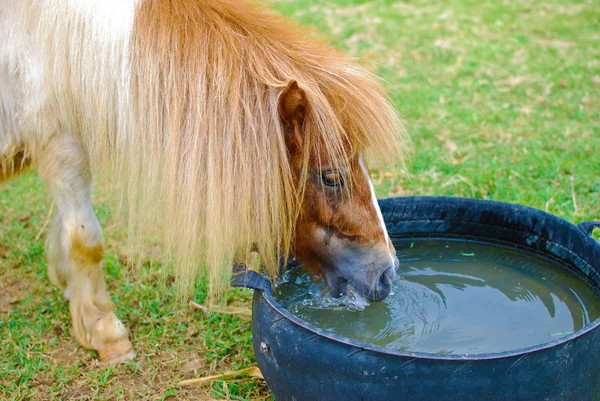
x=222, y=127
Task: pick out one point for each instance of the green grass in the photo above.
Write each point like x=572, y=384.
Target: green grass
x=501, y=100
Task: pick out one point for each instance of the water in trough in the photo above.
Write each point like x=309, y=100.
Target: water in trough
x=453, y=297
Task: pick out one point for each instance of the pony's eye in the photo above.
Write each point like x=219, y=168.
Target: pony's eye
x=332, y=178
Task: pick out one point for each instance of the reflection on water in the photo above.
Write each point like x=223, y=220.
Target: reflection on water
x=453, y=297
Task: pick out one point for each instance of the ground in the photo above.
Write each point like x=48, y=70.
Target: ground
x=501, y=99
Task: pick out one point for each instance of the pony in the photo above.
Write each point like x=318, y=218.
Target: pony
x=221, y=128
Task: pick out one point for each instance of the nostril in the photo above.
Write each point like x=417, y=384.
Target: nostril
x=384, y=285
x=389, y=275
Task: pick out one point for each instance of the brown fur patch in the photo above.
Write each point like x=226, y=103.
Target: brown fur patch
x=353, y=218
x=85, y=254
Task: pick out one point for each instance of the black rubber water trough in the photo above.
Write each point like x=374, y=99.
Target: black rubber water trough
x=302, y=362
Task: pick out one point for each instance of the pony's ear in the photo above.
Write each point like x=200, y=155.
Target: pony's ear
x=292, y=104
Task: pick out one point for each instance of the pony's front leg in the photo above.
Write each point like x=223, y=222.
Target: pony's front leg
x=75, y=248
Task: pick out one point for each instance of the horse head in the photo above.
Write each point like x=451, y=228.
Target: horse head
x=339, y=231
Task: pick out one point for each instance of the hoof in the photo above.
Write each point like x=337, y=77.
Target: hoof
x=116, y=352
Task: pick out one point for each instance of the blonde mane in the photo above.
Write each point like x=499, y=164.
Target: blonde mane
x=181, y=116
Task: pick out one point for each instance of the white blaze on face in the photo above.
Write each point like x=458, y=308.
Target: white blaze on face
x=376, y=206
